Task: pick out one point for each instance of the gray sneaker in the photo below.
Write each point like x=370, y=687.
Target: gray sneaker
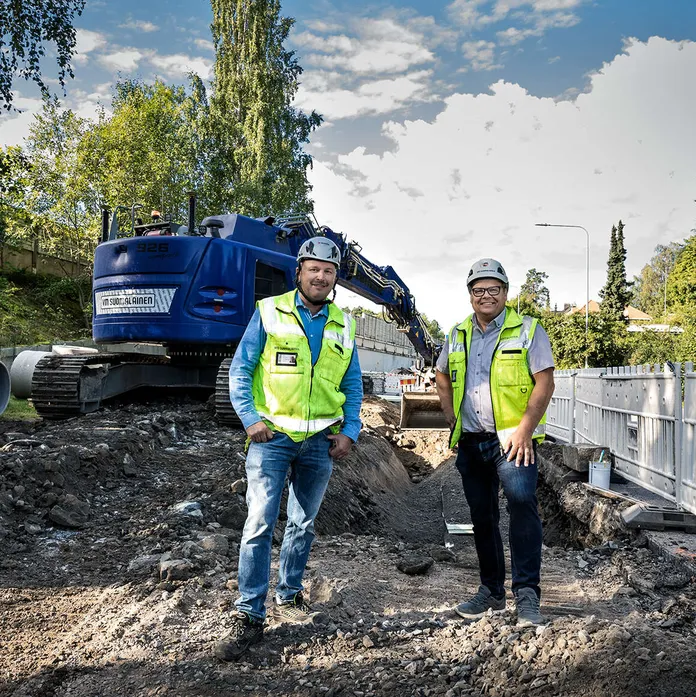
x=480, y=604
x=295, y=610
x=528, y=613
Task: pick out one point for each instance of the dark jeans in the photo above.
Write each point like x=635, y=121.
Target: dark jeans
x=483, y=468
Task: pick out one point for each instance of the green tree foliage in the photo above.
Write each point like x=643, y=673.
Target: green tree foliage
x=681, y=283
x=259, y=162
x=25, y=27
x=147, y=151
x=616, y=293
x=608, y=341
x=533, y=291
x=14, y=173
x=361, y=311
x=59, y=194
x=649, y=289
x=434, y=329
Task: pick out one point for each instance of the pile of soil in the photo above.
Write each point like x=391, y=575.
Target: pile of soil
x=119, y=539
x=420, y=451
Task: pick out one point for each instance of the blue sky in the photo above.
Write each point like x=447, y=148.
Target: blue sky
x=451, y=128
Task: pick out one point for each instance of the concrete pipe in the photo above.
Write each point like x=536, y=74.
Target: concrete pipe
x=4, y=387
x=22, y=372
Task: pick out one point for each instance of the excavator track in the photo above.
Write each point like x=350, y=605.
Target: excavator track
x=55, y=390
x=224, y=410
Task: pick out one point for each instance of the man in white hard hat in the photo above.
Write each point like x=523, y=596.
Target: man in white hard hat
x=495, y=380
x=296, y=385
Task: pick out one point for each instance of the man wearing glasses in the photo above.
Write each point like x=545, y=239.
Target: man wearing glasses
x=495, y=379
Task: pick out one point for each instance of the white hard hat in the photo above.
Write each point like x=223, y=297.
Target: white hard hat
x=320, y=248
x=486, y=268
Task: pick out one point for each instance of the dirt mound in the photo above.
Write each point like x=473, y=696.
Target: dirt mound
x=123, y=591
x=420, y=451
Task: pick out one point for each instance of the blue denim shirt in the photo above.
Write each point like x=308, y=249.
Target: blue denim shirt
x=249, y=352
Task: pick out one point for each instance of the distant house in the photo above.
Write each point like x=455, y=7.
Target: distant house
x=633, y=314
x=639, y=320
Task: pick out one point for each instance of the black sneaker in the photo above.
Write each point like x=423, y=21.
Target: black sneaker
x=246, y=631
x=295, y=610
x=479, y=604
x=528, y=612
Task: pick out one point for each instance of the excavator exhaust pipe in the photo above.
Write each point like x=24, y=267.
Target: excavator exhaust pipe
x=421, y=410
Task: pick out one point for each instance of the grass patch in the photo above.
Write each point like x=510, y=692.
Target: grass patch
x=36, y=309
x=19, y=410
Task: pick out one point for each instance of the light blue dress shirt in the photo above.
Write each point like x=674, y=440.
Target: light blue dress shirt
x=249, y=352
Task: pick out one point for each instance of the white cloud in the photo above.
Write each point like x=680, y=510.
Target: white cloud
x=468, y=13
x=540, y=15
x=127, y=59
x=369, y=66
x=321, y=91
x=85, y=42
x=139, y=25
x=15, y=126
x=205, y=44
x=86, y=104
x=481, y=55
x=378, y=46
x=179, y=65
x=473, y=182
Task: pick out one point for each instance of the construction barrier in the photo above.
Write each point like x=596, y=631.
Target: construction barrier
x=646, y=415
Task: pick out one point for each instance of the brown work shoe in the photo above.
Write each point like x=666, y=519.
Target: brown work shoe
x=245, y=632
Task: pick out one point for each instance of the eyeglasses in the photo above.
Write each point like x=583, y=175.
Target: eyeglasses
x=492, y=291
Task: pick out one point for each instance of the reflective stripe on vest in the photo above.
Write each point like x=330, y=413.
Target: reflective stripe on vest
x=511, y=384
x=296, y=397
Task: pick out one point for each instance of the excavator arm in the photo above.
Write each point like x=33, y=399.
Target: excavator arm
x=383, y=286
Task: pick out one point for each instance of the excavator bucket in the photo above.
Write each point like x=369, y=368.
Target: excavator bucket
x=422, y=410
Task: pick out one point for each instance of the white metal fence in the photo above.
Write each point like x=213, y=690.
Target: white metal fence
x=646, y=416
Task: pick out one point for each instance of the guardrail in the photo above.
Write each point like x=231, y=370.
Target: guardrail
x=646, y=416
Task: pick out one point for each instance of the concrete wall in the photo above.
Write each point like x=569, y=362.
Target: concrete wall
x=32, y=259
x=379, y=362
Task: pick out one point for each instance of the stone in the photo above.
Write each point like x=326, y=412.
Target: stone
x=239, y=487
x=414, y=566
x=232, y=516
x=187, y=509
x=69, y=512
x=175, y=570
x=217, y=544
x=439, y=553
x=578, y=457
x=144, y=563
x=323, y=592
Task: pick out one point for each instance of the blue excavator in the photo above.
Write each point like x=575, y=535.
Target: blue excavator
x=171, y=303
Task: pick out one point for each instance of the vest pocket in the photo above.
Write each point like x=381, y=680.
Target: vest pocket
x=511, y=368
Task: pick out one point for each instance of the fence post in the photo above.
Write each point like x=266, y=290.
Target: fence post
x=678, y=431
x=572, y=409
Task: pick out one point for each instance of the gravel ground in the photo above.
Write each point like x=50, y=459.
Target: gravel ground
x=119, y=540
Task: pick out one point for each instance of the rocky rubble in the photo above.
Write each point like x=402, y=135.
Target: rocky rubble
x=118, y=558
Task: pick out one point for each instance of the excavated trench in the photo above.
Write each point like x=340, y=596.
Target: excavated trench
x=119, y=541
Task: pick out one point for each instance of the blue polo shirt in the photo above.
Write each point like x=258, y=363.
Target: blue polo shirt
x=249, y=352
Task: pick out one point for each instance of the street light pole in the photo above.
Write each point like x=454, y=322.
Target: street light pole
x=587, y=278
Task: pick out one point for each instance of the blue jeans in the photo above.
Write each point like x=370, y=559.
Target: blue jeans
x=309, y=466
x=483, y=467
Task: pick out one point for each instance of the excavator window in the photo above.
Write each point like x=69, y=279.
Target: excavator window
x=269, y=281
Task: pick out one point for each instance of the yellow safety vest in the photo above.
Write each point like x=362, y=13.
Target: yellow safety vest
x=510, y=380
x=292, y=395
